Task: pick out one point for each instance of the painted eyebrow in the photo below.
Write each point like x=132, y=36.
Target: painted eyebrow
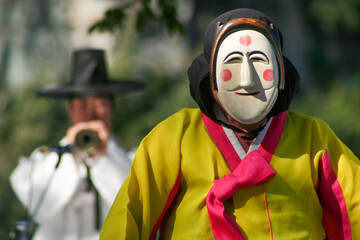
x=261, y=53
x=232, y=53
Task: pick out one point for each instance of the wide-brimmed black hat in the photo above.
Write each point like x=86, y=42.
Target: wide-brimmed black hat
x=89, y=77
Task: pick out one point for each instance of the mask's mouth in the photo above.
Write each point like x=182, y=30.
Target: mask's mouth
x=248, y=94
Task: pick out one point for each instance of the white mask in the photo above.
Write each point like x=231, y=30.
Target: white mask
x=247, y=76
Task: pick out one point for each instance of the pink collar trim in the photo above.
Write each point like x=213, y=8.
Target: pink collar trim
x=266, y=149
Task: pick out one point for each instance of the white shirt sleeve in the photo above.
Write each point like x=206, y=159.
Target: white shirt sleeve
x=43, y=190
x=47, y=191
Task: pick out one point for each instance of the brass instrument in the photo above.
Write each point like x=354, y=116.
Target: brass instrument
x=86, y=140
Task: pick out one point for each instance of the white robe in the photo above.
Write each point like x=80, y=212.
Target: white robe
x=67, y=210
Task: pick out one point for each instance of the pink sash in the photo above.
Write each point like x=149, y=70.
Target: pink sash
x=254, y=169
x=250, y=171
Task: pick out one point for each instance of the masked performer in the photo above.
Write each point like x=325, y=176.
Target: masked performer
x=68, y=192
x=242, y=166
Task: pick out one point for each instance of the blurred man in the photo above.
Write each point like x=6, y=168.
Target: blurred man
x=69, y=189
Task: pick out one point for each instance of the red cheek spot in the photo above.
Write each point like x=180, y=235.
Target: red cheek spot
x=225, y=75
x=245, y=40
x=268, y=75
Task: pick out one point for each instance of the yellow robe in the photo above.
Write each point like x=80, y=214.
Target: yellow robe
x=313, y=195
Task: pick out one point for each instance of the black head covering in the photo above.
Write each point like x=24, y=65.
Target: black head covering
x=199, y=71
x=89, y=77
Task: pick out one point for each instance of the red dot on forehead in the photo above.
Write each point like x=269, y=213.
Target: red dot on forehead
x=268, y=75
x=225, y=75
x=245, y=40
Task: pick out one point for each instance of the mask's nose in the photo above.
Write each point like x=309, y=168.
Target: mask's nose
x=246, y=74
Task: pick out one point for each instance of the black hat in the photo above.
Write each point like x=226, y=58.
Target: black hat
x=89, y=77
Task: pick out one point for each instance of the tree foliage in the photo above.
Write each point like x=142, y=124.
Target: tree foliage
x=337, y=15
x=164, y=12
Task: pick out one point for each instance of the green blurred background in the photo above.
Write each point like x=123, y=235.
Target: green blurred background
x=157, y=40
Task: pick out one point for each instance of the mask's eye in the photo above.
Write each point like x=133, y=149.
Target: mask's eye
x=234, y=60
x=259, y=57
x=234, y=57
